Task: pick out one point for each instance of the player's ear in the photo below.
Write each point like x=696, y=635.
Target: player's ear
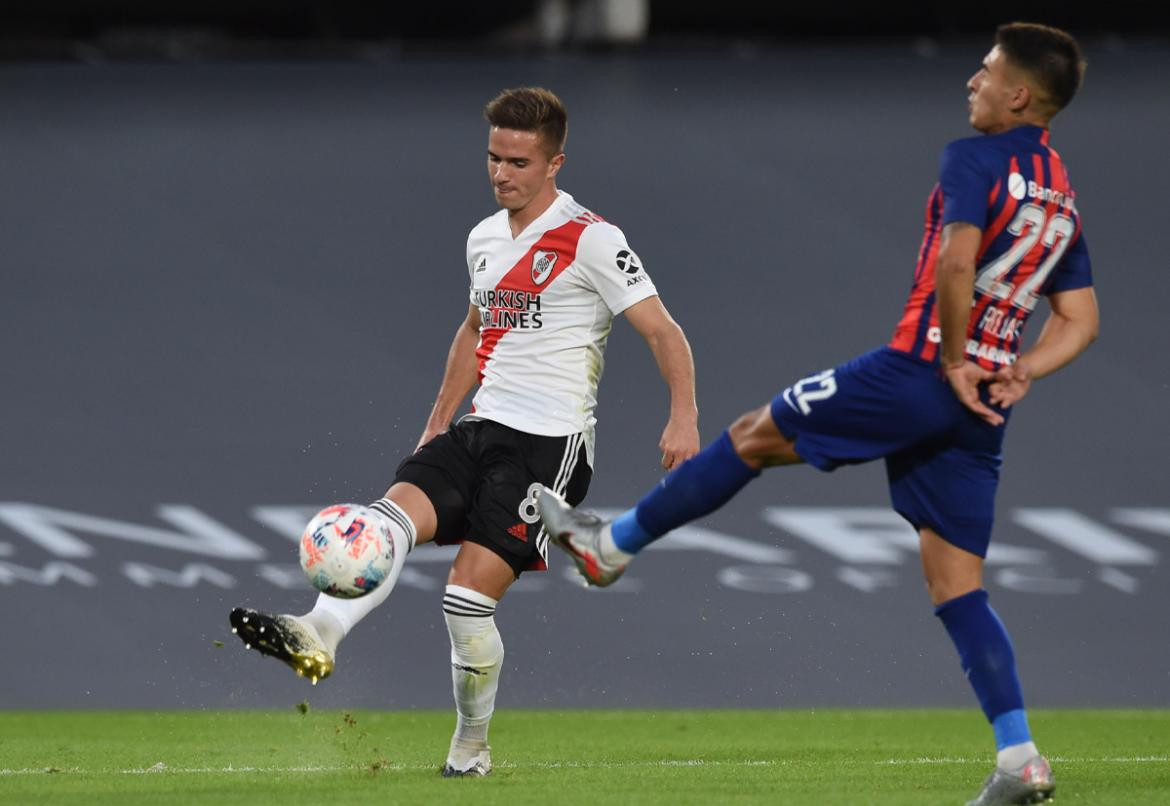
x=1021, y=97
x=554, y=165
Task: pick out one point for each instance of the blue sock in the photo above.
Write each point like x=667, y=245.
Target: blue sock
x=695, y=488
x=1011, y=728
x=988, y=660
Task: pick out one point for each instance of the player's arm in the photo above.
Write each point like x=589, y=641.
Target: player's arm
x=954, y=289
x=668, y=343
x=458, y=378
x=1069, y=330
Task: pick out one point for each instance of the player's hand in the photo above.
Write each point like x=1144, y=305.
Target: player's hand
x=680, y=441
x=1010, y=384
x=964, y=380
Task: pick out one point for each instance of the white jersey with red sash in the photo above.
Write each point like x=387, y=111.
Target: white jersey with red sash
x=547, y=300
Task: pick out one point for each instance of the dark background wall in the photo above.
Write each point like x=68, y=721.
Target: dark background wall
x=88, y=30
x=228, y=287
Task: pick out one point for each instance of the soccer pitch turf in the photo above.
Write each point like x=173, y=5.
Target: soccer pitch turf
x=637, y=757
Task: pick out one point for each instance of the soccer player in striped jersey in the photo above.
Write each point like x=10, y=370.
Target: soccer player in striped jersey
x=1002, y=231
x=547, y=276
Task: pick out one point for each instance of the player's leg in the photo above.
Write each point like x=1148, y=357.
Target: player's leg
x=428, y=498
x=954, y=578
x=708, y=481
x=503, y=539
x=948, y=492
x=308, y=643
x=696, y=488
x=411, y=518
x=853, y=413
x=478, y=580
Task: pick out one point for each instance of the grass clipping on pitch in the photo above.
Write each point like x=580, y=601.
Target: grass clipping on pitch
x=642, y=757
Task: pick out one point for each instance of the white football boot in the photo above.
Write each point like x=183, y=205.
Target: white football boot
x=468, y=760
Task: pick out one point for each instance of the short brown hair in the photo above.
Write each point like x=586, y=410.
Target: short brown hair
x=531, y=109
x=1049, y=55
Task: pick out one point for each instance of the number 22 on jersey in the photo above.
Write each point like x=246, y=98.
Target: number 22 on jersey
x=1030, y=225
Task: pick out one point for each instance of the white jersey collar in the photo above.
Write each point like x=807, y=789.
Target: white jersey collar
x=539, y=224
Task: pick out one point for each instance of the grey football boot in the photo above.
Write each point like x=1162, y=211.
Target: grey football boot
x=1030, y=783
x=579, y=534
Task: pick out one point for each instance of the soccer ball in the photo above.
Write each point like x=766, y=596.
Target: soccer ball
x=346, y=550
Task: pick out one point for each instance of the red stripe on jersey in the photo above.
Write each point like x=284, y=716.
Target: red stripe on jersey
x=1005, y=215
x=488, y=339
x=906, y=331
x=563, y=241
x=991, y=197
x=1053, y=155
x=1032, y=259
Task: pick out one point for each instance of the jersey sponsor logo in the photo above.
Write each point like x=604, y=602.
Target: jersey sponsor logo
x=1057, y=197
x=482, y=265
x=1017, y=186
x=509, y=309
x=512, y=299
x=542, y=265
x=628, y=262
x=990, y=352
x=502, y=319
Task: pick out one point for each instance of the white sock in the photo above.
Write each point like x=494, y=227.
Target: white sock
x=333, y=618
x=1016, y=756
x=610, y=551
x=477, y=655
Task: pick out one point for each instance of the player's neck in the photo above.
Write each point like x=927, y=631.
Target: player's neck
x=1018, y=121
x=518, y=220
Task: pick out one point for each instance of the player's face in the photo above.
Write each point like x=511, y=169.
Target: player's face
x=519, y=168
x=994, y=88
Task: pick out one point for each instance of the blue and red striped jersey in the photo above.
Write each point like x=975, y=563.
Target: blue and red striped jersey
x=1014, y=187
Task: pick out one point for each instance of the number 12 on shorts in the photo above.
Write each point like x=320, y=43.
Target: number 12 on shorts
x=808, y=390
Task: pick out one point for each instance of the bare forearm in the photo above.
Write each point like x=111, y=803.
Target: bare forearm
x=459, y=377
x=675, y=362
x=1060, y=341
x=954, y=287
x=668, y=343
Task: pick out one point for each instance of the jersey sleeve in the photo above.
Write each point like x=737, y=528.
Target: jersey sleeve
x=608, y=265
x=468, y=258
x=966, y=184
x=1075, y=270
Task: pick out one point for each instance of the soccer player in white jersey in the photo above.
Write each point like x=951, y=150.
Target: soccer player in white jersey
x=547, y=278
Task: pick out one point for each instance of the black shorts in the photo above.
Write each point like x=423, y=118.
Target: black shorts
x=481, y=478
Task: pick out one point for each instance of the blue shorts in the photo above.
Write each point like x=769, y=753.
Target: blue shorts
x=942, y=461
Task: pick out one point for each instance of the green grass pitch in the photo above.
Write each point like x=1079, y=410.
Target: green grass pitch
x=565, y=757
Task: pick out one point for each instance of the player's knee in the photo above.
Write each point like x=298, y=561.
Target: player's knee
x=758, y=440
x=950, y=571
x=943, y=588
